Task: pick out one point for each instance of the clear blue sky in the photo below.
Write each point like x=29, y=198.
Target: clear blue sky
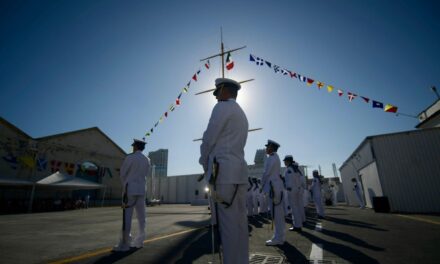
x=118, y=65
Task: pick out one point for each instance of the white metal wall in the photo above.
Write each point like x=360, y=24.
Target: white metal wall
x=409, y=169
x=350, y=169
x=181, y=189
x=371, y=183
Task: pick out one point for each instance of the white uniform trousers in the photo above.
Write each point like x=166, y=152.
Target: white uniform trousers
x=318, y=204
x=255, y=201
x=249, y=202
x=262, y=203
x=305, y=197
x=137, y=203
x=359, y=198
x=266, y=203
x=296, y=201
x=277, y=208
x=287, y=202
x=233, y=224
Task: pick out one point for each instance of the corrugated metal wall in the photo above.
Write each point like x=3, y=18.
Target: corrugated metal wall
x=350, y=169
x=409, y=169
x=371, y=183
x=181, y=189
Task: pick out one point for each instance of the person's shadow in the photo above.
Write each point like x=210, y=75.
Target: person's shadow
x=115, y=256
x=201, y=245
x=350, y=239
x=344, y=252
x=353, y=223
x=292, y=254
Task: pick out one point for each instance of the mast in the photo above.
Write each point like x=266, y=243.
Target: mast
x=222, y=50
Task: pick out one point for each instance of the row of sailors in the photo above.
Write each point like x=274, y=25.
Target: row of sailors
x=257, y=202
x=275, y=194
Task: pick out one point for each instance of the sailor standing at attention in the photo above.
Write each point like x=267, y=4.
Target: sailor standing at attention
x=134, y=170
x=316, y=192
x=294, y=187
x=272, y=185
x=357, y=191
x=249, y=197
x=222, y=156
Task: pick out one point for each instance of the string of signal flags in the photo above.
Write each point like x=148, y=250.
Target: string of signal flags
x=320, y=85
x=178, y=100
x=258, y=61
x=196, y=76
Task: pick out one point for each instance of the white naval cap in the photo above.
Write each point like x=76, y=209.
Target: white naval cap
x=138, y=142
x=225, y=82
x=272, y=142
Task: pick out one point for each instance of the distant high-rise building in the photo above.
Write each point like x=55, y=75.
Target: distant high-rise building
x=260, y=157
x=159, y=159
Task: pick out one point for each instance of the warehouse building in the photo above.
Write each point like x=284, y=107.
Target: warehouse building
x=401, y=169
x=87, y=154
x=404, y=167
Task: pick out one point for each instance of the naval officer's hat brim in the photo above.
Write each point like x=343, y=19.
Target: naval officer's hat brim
x=272, y=143
x=138, y=142
x=288, y=157
x=225, y=82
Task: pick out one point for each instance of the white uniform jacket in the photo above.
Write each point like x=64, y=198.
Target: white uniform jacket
x=271, y=173
x=134, y=170
x=316, y=188
x=293, y=179
x=224, y=140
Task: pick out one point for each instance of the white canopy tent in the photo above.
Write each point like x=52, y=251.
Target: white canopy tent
x=60, y=181
x=14, y=182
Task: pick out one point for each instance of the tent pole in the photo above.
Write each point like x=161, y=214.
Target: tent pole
x=31, y=199
x=103, y=196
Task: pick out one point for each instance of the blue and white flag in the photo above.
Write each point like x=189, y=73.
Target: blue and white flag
x=377, y=104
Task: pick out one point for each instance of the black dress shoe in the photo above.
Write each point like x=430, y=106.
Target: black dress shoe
x=297, y=229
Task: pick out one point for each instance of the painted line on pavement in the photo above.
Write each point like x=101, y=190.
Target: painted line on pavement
x=316, y=253
x=108, y=250
x=420, y=219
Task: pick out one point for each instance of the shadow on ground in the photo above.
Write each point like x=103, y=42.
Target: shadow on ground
x=114, y=257
x=344, y=252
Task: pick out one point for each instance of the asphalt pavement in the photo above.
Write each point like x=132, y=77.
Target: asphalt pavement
x=179, y=234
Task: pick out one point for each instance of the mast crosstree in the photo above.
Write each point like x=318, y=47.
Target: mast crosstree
x=222, y=55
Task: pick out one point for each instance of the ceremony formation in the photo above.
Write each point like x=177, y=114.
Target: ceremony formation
x=147, y=132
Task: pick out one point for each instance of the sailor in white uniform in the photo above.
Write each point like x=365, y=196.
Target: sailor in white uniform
x=358, y=192
x=250, y=197
x=316, y=193
x=134, y=170
x=262, y=201
x=293, y=178
x=305, y=194
x=286, y=200
x=223, y=146
x=255, y=193
x=272, y=185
